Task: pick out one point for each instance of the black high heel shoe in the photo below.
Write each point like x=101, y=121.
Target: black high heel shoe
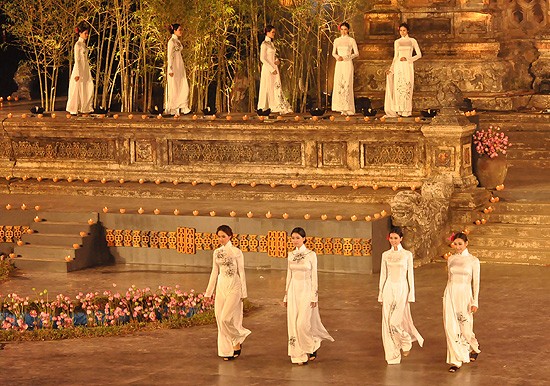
x=453, y=369
x=228, y=358
x=236, y=353
x=313, y=356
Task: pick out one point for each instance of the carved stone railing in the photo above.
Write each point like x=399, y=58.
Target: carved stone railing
x=282, y=152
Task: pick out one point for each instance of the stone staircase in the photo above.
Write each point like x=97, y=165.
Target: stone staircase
x=62, y=242
x=518, y=230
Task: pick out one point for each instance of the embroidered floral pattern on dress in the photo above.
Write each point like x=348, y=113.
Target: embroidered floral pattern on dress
x=297, y=256
x=292, y=341
x=461, y=318
x=226, y=261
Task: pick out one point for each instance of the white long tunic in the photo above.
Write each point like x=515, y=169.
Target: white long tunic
x=461, y=293
x=271, y=94
x=230, y=282
x=81, y=91
x=177, y=87
x=400, y=80
x=396, y=293
x=305, y=329
x=342, y=92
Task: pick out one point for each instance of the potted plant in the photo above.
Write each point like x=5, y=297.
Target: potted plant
x=491, y=165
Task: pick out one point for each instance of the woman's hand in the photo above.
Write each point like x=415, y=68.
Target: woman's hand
x=77, y=78
x=403, y=59
x=313, y=304
x=274, y=72
x=388, y=71
x=171, y=74
x=284, y=304
x=473, y=309
x=340, y=58
x=277, y=62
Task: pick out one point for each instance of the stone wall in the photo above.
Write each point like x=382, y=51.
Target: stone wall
x=487, y=47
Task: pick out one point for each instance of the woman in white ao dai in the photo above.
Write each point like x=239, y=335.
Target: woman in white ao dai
x=81, y=84
x=270, y=95
x=344, y=51
x=177, y=86
x=400, y=76
x=460, y=302
x=396, y=293
x=228, y=278
x=305, y=330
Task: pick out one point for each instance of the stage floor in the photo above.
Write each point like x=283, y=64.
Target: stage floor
x=511, y=325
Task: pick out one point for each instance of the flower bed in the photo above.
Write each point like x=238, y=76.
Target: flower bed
x=135, y=308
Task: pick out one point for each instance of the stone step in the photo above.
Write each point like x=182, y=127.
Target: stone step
x=52, y=239
x=66, y=228
x=541, y=208
x=528, y=154
x=45, y=252
x=526, y=163
x=68, y=217
x=511, y=256
x=534, y=242
x=512, y=218
x=513, y=231
x=43, y=265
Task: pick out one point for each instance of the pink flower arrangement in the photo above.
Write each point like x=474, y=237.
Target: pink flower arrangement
x=100, y=309
x=491, y=142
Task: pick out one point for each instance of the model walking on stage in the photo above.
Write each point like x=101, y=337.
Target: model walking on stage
x=229, y=280
x=177, y=87
x=460, y=302
x=400, y=76
x=271, y=95
x=396, y=293
x=305, y=330
x=344, y=51
x=81, y=85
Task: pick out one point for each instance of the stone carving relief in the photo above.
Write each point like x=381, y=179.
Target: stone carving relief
x=468, y=76
x=380, y=153
x=65, y=149
x=332, y=153
x=143, y=151
x=423, y=215
x=525, y=17
x=247, y=152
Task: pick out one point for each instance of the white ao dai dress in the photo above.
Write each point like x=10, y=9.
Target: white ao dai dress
x=400, y=80
x=271, y=94
x=177, y=86
x=305, y=329
x=460, y=295
x=81, y=91
x=342, y=92
x=395, y=294
x=228, y=278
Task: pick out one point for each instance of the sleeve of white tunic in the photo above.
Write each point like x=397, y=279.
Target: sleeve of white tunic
x=288, y=277
x=213, y=278
x=395, y=54
x=265, y=59
x=240, y=268
x=171, y=54
x=314, y=280
x=355, y=52
x=383, y=277
x=417, y=54
x=335, y=49
x=410, y=274
x=475, y=279
x=77, y=60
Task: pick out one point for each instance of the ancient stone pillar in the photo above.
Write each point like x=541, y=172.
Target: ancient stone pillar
x=449, y=140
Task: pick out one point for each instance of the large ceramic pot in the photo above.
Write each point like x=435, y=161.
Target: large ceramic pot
x=491, y=172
